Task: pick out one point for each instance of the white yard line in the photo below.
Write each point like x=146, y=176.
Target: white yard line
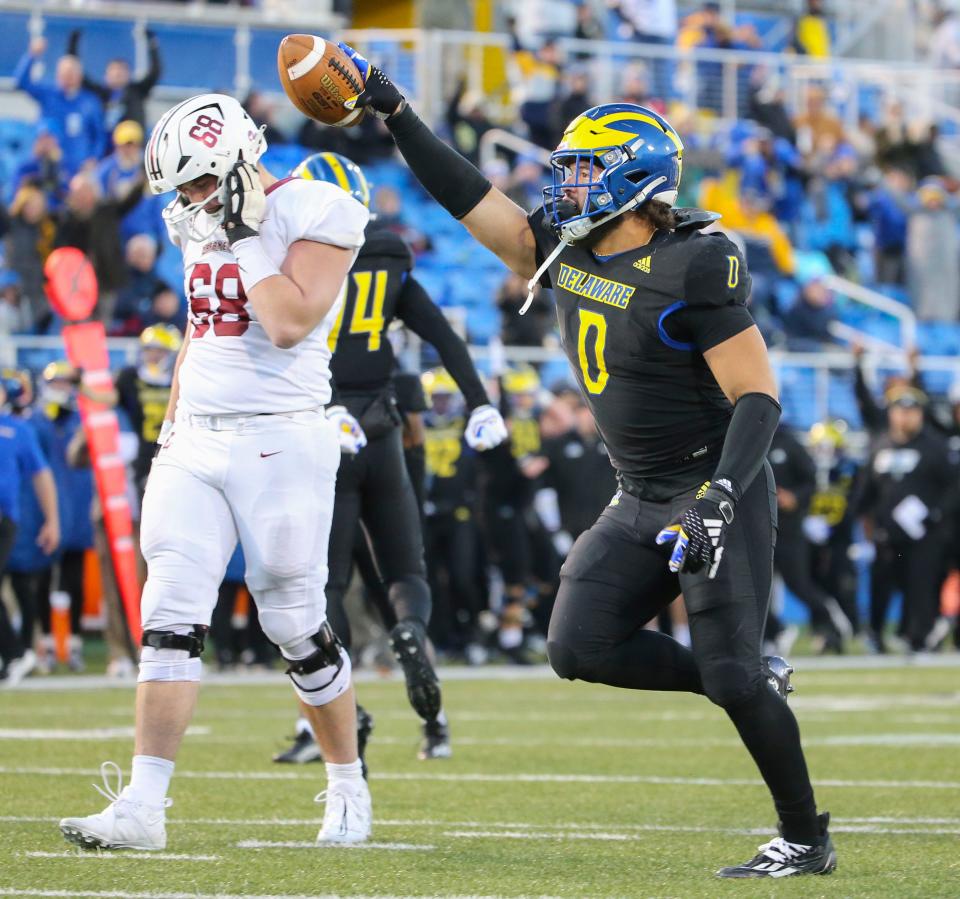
x=514, y=829
x=81, y=733
x=304, y=844
x=122, y=894
x=126, y=854
x=477, y=777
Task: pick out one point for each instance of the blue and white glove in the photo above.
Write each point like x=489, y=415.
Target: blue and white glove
x=349, y=433
x=699, y=533
x=380, y=94
x=485, y=429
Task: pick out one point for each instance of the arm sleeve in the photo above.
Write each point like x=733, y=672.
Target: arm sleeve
x=752, y=426
x=425, y=319
x=23, y=81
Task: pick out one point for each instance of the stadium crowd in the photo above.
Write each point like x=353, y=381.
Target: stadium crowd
x=867, y=507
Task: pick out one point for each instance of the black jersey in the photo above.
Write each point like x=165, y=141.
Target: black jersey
x=793, y=469
x=634, y=327
x=581, y=473
x=146, y=407
x=451, y=468
x=380, y=288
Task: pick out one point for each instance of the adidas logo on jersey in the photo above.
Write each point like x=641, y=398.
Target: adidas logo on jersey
x=643, y=265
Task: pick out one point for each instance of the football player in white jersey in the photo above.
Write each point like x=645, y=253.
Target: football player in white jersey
x=246, y=453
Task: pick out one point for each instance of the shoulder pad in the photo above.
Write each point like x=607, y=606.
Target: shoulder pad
x=716, y=274
x=693, y=218
x=381, y=241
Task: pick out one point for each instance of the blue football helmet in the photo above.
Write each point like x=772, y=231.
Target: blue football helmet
x=337, y=170
x=634, y=155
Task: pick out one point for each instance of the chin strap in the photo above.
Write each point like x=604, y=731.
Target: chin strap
x=578, y=232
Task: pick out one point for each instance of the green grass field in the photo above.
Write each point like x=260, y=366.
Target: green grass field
x=555, y=789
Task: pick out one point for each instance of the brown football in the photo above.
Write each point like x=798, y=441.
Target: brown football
x=318, y=76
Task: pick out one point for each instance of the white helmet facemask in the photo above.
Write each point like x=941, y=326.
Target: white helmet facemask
x=205, y=135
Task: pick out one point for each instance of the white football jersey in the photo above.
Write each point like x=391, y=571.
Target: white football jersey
x=231, y=367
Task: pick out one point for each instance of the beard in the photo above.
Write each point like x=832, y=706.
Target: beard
x=592, y=238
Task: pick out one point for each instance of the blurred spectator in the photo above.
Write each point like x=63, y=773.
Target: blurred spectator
x=167, y=308
x=122, y=172
x=526, y=183
x=57, y=421
x=467, y=121
x=529, y=329
x=574, y=98
x=588, y=27
x=579, y=470
x=943, y=50
x=768, y=106
x=908, y=145
x=807, y=321
x=817, y=122
x=635, y=88
x=44, y=168
x=651, y=22
x=123, y=98
x=909, y=493
x=15, y=315
x=826, y=216
x=29, y=240
x=91, y=222
x=134, y=306
x=887, y=211
x=933, y=254
x=874, y=414
x=261, y=109
x=21, y=461
x=811, y=31
x=796, y=479
x=536, y=86
x=388, y=206
x=73, y=113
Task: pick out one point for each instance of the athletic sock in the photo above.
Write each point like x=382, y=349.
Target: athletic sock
x=350, y=773
x=150, y=779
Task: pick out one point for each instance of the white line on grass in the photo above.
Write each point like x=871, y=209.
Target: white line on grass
x=126, y=854
x=476, y=777
x=304, y=844
x=121, y=894
x=89, y=733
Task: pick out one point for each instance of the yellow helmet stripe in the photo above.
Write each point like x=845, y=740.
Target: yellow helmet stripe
x=339, y=172
x=583, y=135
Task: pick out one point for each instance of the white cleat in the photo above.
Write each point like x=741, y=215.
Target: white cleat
x=124, y=824
x=349, y=813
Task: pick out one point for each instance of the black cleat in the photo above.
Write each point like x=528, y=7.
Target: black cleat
x=304, y=749
x=364, y=729
x=778, y=858
x=436, y=740
x=777, y=672
x=408, y=642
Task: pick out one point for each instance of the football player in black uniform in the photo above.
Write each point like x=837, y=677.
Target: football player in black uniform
x=373, y=486
x=653, y=320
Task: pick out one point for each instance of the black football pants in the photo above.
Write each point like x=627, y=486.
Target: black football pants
x=374, y=489
x=453, y=566
x=915, y=568
x=616, y=579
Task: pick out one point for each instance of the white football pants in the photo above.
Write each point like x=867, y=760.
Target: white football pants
x=267, y=480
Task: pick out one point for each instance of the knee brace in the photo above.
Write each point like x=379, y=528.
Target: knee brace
x=318, y=667
x=173, y=654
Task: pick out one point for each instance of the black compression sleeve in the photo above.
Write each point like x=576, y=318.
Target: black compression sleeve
x=755, y=418
x=456, y=184
x=425, y=319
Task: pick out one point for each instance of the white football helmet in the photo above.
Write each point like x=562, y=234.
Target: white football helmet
x=205, y=135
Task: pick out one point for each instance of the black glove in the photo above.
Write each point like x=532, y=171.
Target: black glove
x=380, y=94
x=244, y=202
x=700, y=531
